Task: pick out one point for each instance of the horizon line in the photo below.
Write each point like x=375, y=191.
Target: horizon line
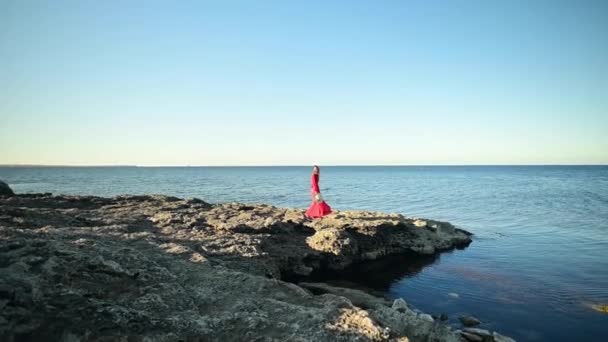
x=279, y=165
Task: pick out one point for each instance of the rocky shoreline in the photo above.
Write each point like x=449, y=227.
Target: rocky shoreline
x=160, y=268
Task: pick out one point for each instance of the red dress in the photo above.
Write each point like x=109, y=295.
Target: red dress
x=317, y=209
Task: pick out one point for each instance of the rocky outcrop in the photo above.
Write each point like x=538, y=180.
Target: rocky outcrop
x=358, y=236
x=5, y=190
x=163, y=268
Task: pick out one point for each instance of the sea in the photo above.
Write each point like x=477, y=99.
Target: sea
x=535, y=271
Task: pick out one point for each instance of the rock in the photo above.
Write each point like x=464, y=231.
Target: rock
x=197, y=257
x=434, y=226
x=426, y=317
x=415, y=326
x=471, y=337
x=360, y=321
x=198, y=201
x=85, y=267
x=400, y=305
x=425, y=249
x=501, y=338
x=420, y=223
x=110, y=267
x=5, y=190
x=443, y=317
x=469, y=321
x=334, y=241
x=357, y=297
x=479, y=332
x=174, y=248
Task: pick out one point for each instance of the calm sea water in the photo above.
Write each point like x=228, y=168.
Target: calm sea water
x=538, y=260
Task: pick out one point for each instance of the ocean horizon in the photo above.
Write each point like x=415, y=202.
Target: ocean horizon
x=294, y=165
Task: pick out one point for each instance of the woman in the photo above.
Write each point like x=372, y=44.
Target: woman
x=318, y=208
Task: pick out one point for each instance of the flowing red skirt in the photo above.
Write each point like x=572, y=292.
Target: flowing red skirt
x=318, y=209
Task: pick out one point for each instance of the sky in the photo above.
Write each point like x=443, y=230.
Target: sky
x=303, y=82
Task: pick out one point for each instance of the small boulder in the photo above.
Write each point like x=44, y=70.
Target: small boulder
x=5, y=190
x=469, y=321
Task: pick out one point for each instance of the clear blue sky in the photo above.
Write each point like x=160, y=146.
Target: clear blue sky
x=302, y=82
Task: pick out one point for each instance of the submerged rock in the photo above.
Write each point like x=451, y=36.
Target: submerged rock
x=469, y=321
x=162, y=268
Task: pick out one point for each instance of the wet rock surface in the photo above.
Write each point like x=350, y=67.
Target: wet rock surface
x=162, y=268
